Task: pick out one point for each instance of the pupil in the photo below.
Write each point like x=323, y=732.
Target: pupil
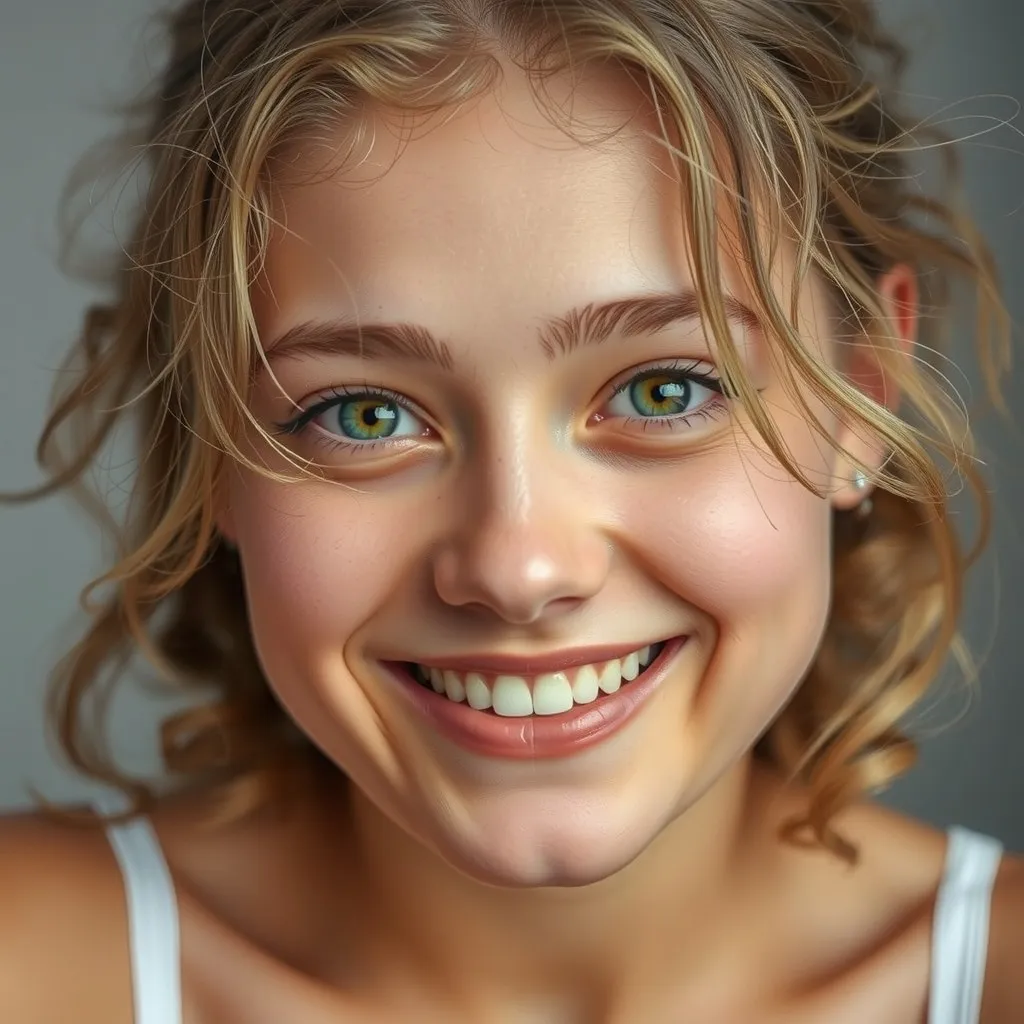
x=661, y=396
x=368, y=418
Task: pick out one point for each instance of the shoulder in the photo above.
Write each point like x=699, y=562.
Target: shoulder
x=859, y=931
x=63, y=928
x=1003, y=999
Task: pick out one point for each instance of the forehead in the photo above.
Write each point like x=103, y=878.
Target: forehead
x=485, y=218
x=492, y=190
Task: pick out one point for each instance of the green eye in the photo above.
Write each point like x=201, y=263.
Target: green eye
x=659, y=395
x=666, y=393
x=360, y=417
x=366, y=418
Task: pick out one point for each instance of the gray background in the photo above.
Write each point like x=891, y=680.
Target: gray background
x=62, y=62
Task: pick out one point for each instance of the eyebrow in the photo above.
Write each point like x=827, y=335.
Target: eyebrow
x=587, y=325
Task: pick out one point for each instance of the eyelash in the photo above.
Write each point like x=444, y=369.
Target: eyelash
x=687, y=369
x=331, y=398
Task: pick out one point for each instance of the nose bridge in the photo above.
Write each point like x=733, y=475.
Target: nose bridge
x=525, y=543
x=518, y=475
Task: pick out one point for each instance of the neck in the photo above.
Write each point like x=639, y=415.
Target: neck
x=664, y=915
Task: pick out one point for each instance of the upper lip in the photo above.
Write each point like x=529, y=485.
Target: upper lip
x=531, y=664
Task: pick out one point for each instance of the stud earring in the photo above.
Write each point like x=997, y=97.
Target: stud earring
x=860, y=484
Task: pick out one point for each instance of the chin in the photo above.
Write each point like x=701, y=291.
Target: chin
x=537, y=853
x=546, y=868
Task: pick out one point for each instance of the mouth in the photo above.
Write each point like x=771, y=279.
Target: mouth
x=554, y=706
x=509, y=695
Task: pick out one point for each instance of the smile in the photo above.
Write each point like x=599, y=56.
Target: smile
x=534, y=708
x=547, y=693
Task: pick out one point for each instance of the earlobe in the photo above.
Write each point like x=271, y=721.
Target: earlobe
x=856, y=494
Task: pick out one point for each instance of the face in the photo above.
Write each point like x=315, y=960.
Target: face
x=558, y=512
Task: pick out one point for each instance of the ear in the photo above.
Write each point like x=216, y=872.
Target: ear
x=897, y=289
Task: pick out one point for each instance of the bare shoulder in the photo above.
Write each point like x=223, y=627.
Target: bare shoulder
x=899, y=859
x=63, y=930
x=912, y=855
x=854, y=936
x=1003, y=999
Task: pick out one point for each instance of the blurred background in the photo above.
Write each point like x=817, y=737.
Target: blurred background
x=65, y=64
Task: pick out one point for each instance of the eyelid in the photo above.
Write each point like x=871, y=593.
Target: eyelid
x=698, y=369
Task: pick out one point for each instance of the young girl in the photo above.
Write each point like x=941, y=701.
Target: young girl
x=540, y=469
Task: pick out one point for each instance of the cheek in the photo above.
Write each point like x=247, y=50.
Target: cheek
x=750, y=553
x=319, y=560
x=737, y=541
x=750, y=556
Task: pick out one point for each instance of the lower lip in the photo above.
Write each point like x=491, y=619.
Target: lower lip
x=537, y=737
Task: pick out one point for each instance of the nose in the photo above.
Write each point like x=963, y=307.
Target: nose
x=527, y=545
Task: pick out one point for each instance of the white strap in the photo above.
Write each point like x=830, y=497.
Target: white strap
x=960, y=932
x=153, y=928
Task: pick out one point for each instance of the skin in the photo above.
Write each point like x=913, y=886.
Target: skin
x=640, y=880
x=522, y=514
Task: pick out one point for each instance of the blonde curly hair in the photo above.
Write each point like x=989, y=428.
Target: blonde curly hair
x=775, y=97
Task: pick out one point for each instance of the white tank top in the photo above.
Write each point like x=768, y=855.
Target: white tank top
x=959, y=936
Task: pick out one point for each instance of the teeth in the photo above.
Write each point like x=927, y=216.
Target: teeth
x=511, y=696
x=437, y=680
x=610, y=678
x=454, y=687
x=478, y=693
x=630, y=667
x=584, y=686
x=551, y=693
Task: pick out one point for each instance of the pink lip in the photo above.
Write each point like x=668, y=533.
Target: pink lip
x=537, y=737
x=532, y=664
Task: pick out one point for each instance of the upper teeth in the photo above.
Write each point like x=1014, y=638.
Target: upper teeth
x=550, y=693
